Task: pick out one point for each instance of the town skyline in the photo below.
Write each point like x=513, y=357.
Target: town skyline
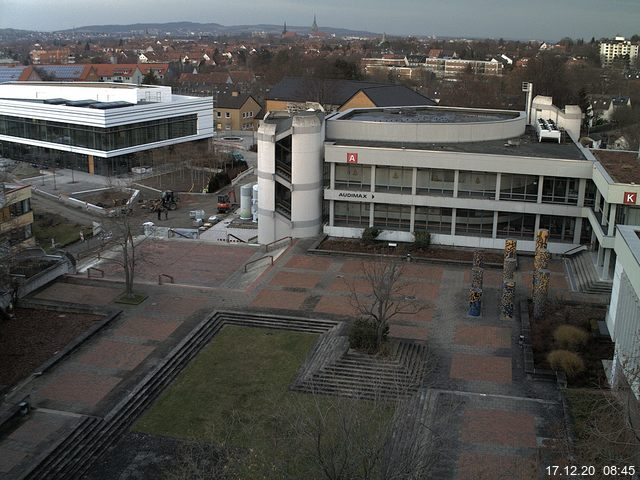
x=458, y=18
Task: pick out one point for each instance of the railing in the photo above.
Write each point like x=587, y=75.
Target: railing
x=164, y=275
x=268, y=245
x=180, y=234
x=257, y=260
x=90, y=269
x=573, y=250
x=237, y=238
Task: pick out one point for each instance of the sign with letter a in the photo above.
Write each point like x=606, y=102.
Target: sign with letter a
x=630, y=198
x=352, y=158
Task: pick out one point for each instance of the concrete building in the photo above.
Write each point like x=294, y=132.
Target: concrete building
x=618, y=48
x=623, y=315
x=102, y=128
x=16, y=218
x=470, y=177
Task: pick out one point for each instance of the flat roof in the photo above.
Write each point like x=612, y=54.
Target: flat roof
x=622, y=166
x=526, y=145
x=68, y=84
x=428, y=115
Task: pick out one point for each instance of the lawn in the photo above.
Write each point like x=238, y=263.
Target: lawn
x=236, y=392
x=50, y=225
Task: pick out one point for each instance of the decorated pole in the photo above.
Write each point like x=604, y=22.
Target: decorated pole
x=477, y=274
x=475, y=302
x=509, y=269
x=510, y=247
x=540, y=294
x=506, y=304
x=478, y=259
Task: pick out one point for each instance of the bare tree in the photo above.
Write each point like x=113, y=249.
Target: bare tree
x=119, y=237
x=388, y=295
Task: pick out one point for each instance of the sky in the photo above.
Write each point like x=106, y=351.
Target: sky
x=521, y=19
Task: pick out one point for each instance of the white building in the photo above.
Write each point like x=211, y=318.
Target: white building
x=97, y=127
x=623, y=316
x=470, y=177
x=618, y=48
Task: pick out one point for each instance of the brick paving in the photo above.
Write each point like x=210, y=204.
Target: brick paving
x=82, y=294
x=86, y=389
x=486, y=466
x=475, y=356
x=483, y=336
x=488, y=368
x=496, y=427
x=114, y=355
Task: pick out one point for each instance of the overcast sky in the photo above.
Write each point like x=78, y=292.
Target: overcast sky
x=525, y=19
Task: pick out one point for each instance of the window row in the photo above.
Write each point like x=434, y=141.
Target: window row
x=105, y=139
x=473, y=184
x=474, y=223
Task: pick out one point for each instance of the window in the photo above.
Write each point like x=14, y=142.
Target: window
x=353, y=177
x=392, y=217
x=476, y=223
x=218, y=114
x=351, y=214
x=560, y=228
x=433, y=220
x=435, y=182
x=394, y=179
x=516, y=225
x=227, y=115
x=522, y=188
x=477, y=184
x=560, y=190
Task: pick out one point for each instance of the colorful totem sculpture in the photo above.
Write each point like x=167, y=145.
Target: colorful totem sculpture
x=508, y=297
x=475, y=302
x=477, y=275
x=478, y=258
x=540, y=294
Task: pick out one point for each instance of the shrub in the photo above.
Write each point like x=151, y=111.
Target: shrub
x=570, y=337
x=422, y=239
x=217, y=181
x=569, y=362
x=363, y=335
x=369, y=235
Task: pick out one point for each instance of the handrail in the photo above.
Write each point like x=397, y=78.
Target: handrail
x=97, y=270
x=180, y=234
x=572, y=250
x=165, y=275
x=237, y=238
x=257, y=260
x=266, y=247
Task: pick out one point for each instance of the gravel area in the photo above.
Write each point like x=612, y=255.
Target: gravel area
x=34, y=336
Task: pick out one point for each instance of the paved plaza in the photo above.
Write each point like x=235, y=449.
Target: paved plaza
x=500, y=419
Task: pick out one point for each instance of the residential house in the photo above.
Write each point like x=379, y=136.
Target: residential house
x=236, y=112
x=299, y=93
x=601, y=107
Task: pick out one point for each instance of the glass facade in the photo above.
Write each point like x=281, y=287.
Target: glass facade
x=560, y=190
x=353, y=177
x=522, y=188
x=433, y=220
x=474, y=223
x=477, y=184
x=435, y=182
x=560, y=228
x=392, y=217
x=394, y=179
x=351, y=214
x=104, y=139
x=516, y=225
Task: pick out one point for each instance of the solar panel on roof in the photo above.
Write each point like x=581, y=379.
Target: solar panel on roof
x=109, y=105
x=62, y=71
x=9, y=74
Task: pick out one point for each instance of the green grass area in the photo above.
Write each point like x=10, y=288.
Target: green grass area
x=51, y=225
x=235, y=392
x=240, y=374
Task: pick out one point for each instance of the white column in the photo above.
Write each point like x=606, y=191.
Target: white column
x=613, y=207
x=456, y=177
x=582, y=188
x=540, y=185
x=498, y=181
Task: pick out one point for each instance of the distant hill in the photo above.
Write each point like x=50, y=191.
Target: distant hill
x=194, y=28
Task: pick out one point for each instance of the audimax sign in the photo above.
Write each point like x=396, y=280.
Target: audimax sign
x=356, y=195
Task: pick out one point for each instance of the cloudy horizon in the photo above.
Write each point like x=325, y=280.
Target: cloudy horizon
x=542, y=19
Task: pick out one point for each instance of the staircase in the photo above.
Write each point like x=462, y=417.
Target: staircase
x=584, y=277
x=359, y=375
